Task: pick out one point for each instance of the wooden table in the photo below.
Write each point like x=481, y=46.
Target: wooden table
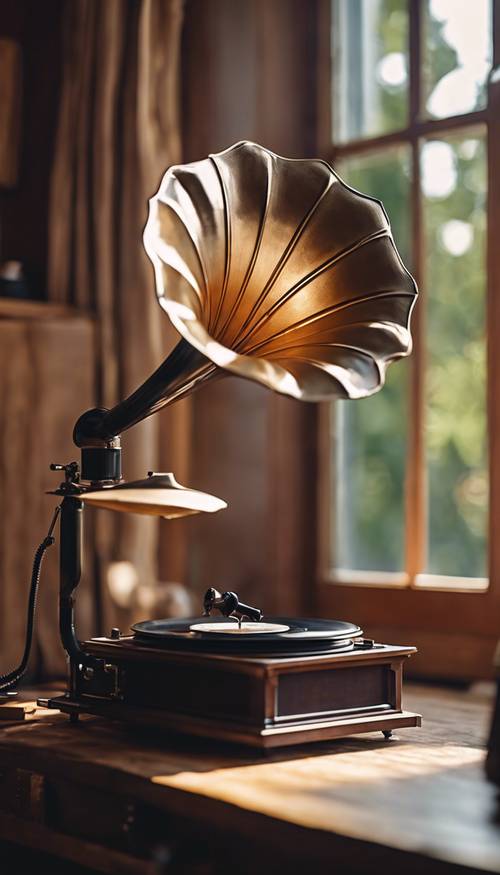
x=131, y=802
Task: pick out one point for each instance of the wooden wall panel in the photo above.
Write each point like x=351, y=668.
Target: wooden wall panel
x=10, y=110
x=36, y=27
x=46, y=380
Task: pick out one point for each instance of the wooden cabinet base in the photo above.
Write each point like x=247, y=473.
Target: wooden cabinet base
x=259, y=701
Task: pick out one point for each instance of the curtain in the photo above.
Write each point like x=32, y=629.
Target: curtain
x=118, y=132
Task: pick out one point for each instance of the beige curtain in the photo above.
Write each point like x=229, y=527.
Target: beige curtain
x=118, y=132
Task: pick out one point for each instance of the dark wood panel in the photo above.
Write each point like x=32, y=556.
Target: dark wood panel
x=46, y=379
x=11, y=103
x=347, y=688
x=24, y=209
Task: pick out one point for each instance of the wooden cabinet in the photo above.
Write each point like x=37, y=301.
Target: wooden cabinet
x=46, y=380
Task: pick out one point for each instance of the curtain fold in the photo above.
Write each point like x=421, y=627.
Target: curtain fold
x=118, y=132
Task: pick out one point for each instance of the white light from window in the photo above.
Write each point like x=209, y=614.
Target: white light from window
x=455, y=93
x=122, y=580
x=457, y=236
x=391, y=70
x=466, y=29
x=439, y=173
x=468, y=149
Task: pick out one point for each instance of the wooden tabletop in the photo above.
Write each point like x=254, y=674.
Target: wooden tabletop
x=423, y=796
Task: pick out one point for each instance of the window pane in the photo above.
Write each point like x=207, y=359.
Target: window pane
x=457, y=55
x=454, y=207
x=370, y=67
x=369, y=445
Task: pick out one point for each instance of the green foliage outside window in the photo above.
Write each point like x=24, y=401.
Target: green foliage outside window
x=371, y=435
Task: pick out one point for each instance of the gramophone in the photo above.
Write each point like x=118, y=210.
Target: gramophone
x=274, y=270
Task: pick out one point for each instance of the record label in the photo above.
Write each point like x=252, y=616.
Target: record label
x=236, y=629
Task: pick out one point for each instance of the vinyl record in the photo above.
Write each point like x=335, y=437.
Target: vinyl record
x=303, y=636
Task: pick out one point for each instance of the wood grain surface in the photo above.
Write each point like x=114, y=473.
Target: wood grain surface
x=46, y=379
x=10, y=110
x=424, y=797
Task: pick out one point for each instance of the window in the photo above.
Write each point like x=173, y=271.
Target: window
x=411, y=114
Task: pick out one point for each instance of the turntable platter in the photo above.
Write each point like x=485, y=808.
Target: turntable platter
x=301, y=635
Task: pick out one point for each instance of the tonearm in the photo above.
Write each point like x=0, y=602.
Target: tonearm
x=229, y=605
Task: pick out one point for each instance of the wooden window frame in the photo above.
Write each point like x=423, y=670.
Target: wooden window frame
x=455, y=629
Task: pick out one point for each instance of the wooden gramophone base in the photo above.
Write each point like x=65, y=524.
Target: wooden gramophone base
x=268, y=737
x=264, y=702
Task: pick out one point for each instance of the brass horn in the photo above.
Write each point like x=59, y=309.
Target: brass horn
x=272, y=269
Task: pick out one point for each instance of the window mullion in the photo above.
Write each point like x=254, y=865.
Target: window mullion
x=496, y=33
x=421, y=128
x=493, y=302
x=415, y=468
x=415, y=56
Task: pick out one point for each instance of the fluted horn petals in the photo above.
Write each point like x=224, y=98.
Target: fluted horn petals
x=277, y=271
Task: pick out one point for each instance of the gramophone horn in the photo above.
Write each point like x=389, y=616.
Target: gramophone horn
x=275, y=270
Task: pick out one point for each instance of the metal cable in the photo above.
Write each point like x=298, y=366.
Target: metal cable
x=13, y=677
